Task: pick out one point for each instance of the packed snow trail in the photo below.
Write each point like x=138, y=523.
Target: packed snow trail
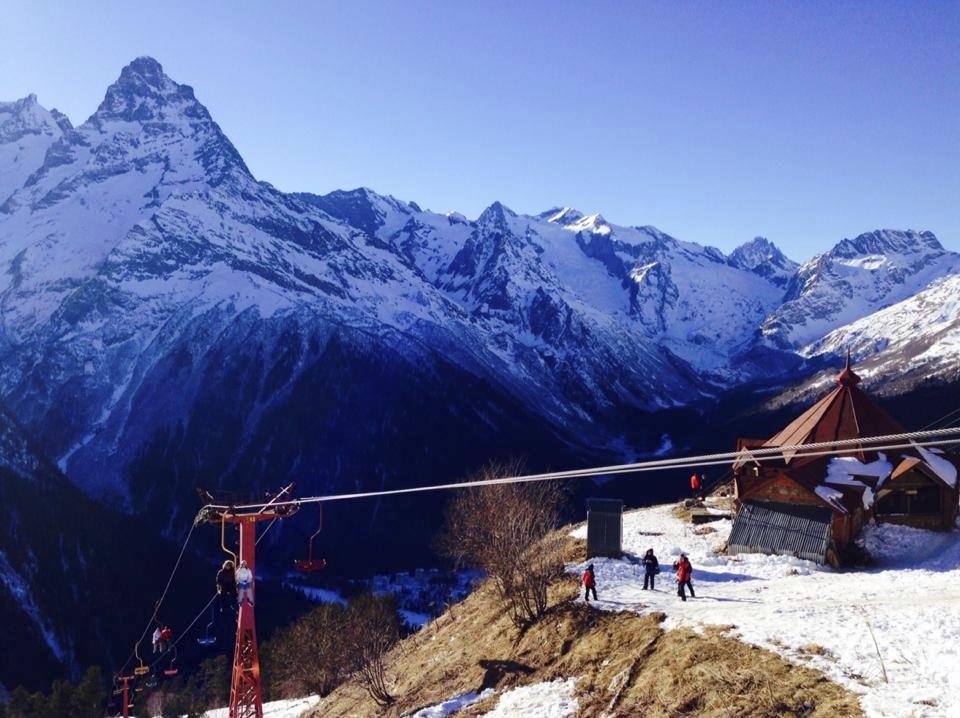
x=292, y=708
x=810, y=614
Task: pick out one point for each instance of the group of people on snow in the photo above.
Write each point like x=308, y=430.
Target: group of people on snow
x=651, y=567
x=234, y=585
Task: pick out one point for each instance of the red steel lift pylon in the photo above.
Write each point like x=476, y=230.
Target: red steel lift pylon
x=246, y=696
x=124, y=694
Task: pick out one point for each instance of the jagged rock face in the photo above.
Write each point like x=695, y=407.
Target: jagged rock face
x=854, y=279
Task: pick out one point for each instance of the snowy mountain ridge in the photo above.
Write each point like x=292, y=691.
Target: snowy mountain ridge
x=854, y=279
x=139, y=253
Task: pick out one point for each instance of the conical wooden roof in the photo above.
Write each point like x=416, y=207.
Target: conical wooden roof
x=845, y=413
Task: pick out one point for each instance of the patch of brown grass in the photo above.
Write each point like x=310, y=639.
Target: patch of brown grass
x=625, y=665
x=683, y=510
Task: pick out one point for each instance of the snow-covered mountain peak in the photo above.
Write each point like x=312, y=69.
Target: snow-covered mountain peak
x=27, y=130
x=593, y=223
x=497, y=214
x=887, y=242
x=141, y=91
x=27, y=116
x=763, y=257
x=561, y=215
x=158, y=119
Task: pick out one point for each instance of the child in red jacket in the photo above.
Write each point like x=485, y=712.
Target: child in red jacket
x=589, y=584
x=684, y=574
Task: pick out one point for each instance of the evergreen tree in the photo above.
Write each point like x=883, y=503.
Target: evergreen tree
x=90, y=695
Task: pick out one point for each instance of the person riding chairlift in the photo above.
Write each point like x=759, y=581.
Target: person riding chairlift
x=244, y=584
x=227, y=586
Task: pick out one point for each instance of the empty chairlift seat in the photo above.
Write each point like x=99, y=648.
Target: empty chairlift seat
x=604, y=527
x=783, y=529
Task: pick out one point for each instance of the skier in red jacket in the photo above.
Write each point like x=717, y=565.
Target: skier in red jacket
x=589, y=584
x=684, y=574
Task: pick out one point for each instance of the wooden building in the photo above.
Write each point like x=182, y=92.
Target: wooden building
x=801, y=499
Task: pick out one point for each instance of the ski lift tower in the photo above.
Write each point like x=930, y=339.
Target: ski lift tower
x=246, y=695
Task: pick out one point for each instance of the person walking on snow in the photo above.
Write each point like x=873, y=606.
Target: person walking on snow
x=684, y=574
x=244, y=584
x=589, y=584
x=651, y=567
x=695, y=485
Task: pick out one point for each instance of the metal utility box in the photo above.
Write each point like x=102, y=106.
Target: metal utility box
x=604, y=527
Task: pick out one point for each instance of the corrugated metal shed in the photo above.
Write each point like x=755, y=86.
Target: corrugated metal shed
x=604, y=527
x=786, y=529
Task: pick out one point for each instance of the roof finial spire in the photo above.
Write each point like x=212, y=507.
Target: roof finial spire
x=847, y=377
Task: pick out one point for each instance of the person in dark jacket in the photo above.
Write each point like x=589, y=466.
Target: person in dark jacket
x=227, y=586
x=589, y=584
x=651, y=567
x=684, y=576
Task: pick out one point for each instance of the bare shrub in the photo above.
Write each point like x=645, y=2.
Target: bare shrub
x=308, y=657
x=506, y=531
x=372, y=628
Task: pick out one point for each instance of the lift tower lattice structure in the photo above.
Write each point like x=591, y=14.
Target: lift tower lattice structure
x=246, y=694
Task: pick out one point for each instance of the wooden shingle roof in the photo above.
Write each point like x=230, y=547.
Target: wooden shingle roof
x=845, y=413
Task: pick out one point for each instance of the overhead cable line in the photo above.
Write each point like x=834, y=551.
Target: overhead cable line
x=159, y=603
x=825, y=448
x=184, y=632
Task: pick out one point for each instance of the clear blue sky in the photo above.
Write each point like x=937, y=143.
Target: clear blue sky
x=715, y=121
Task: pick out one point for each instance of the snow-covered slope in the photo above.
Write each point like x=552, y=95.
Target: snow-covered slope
x=854, y=279
x=914, y=340
x=813, y=615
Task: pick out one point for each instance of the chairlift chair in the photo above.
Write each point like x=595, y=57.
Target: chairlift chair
x=311, y=564
x=209, y=637
x=171, y=670
x=140, y=670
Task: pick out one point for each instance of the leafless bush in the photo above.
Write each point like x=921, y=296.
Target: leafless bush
x=505, y=530
x=372, y=628
x=308, y=657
